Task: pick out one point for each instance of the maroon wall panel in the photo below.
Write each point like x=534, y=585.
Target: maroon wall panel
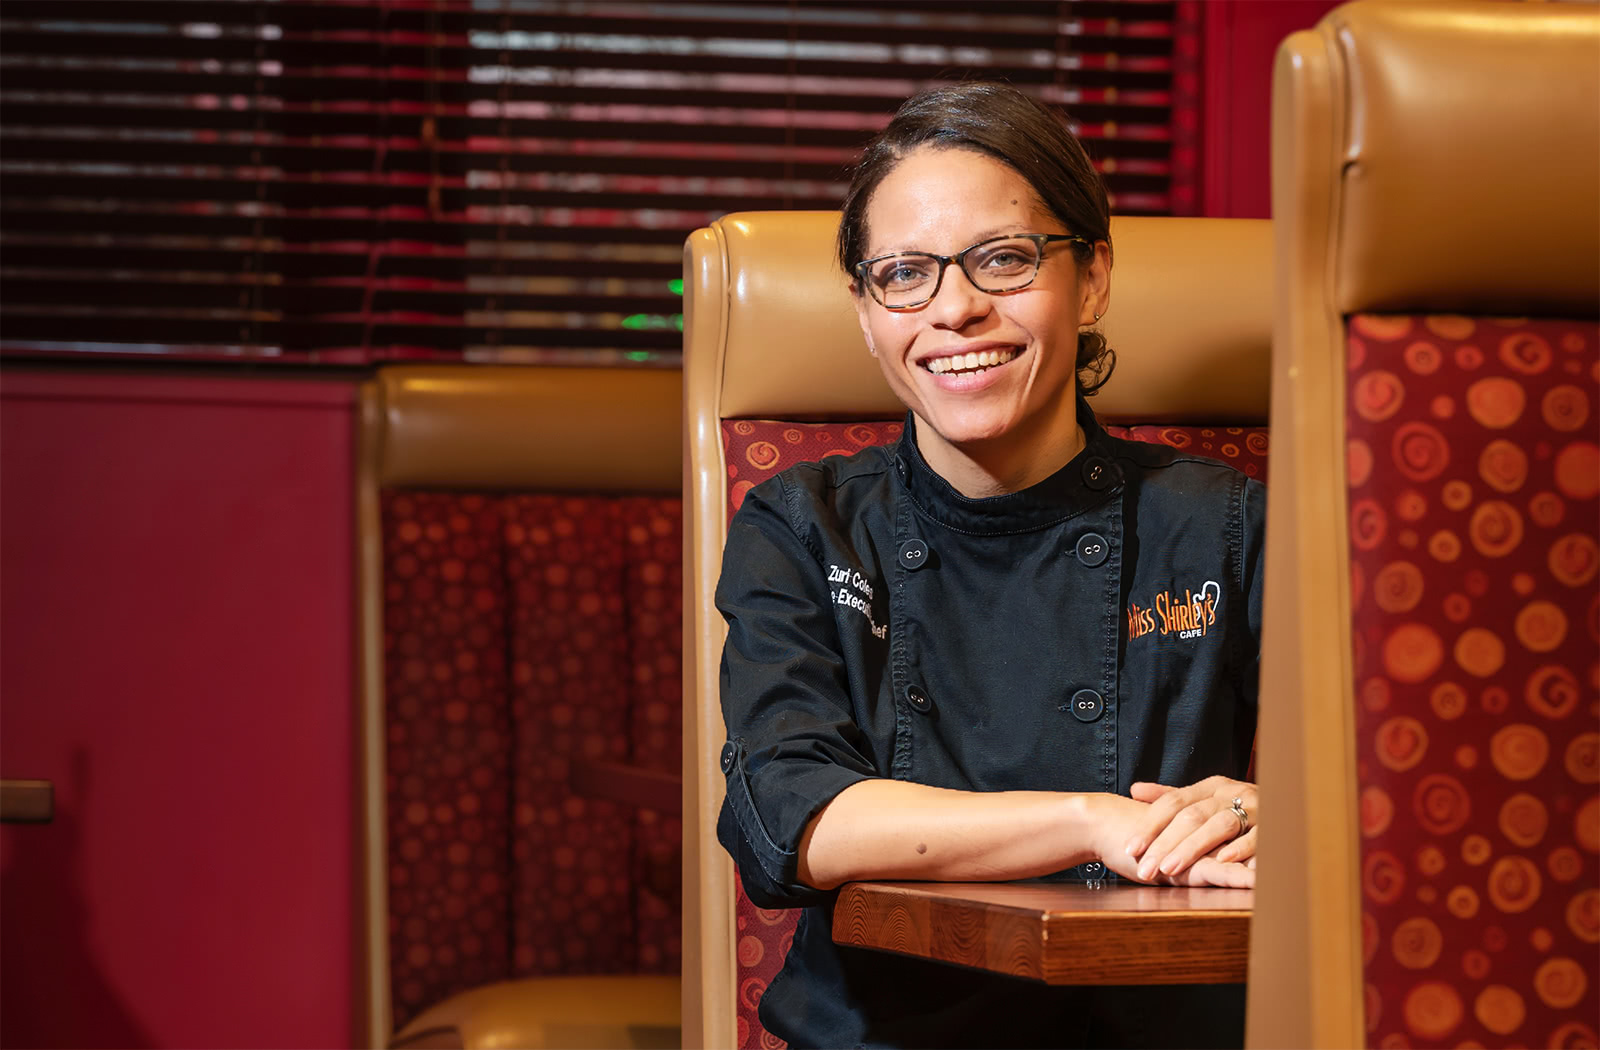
x=175, y=567
x=1239, y=40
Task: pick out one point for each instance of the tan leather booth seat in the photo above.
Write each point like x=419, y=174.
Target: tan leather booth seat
x=553, y=1013
x=1439, y=157
x=581, y=430
x=771, y=333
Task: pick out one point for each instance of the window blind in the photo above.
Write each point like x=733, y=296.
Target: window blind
x=353, y=181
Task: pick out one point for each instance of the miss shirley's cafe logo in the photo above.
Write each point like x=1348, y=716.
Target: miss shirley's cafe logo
x=1190, y=615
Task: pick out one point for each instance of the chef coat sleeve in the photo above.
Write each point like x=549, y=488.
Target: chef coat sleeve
x=792, y=742
x=1251, y=568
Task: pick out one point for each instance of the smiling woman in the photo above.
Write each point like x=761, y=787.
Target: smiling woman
x=931, y=669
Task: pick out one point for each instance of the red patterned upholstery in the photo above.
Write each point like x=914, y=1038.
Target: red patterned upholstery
x=448, y=746
x=652, y=532
x=1473, y=472
x=758, y=449
x=570, y=698
x=520, y=632
x=1242, y=448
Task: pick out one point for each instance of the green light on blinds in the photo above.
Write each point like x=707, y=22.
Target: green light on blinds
x=638, y=355
x=652, y=322
x=676, y=284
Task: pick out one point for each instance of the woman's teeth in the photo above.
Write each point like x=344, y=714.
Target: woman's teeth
x=975, y=360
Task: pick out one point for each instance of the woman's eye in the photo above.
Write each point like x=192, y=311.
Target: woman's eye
x=1005, y=260
x=902, y=275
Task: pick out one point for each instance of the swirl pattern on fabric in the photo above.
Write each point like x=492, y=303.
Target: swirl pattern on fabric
x=1473, y=593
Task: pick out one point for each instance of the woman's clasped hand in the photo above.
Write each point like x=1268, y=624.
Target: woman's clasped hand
x=1157, y=837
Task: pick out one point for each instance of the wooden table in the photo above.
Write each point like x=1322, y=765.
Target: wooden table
x=1058, y=933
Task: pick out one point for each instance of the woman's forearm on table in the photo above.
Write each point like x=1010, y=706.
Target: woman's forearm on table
x=890, y=829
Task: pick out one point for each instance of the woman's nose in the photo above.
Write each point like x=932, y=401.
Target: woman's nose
x=958, y=301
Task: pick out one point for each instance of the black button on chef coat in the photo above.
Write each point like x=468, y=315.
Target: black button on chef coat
x=831, y=637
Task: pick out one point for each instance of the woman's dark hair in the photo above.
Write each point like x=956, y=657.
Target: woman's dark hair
x=1020, y=132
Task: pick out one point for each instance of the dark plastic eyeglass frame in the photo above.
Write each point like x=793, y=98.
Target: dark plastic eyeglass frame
x=959, y=258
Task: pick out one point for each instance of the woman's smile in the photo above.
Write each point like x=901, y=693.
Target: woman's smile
x=970, y=368
x=969, y=360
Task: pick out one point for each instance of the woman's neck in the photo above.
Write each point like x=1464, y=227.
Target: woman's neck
x=1019, y=459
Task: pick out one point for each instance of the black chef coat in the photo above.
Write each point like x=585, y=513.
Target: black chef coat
x=1098, y=628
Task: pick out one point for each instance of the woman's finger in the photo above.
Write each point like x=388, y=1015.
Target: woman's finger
x=1168, y=821
x=1216, y=831
x=1183, y=824
x=1162, y=812
x=1145, y=791
x=1208, y=871
x=1241, y=848
x=1166, y=801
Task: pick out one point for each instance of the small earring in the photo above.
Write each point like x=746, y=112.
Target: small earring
x=1097, y=317
x=872, y=350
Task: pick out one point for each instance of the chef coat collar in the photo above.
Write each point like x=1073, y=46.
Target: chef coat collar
x=1087, y=481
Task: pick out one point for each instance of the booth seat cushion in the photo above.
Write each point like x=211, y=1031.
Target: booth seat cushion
x=523, y=632
x=554, y=1013
x=756, y=450
x=1472, y=478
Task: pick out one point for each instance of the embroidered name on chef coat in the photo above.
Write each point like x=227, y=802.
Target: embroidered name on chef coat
x=1189, y=615
x=854, y=592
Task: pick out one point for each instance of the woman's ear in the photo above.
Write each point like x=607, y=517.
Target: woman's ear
x=863, y=315
x=1094, y=285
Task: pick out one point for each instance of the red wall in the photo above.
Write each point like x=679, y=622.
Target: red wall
x=176, y=601
x=1240, y=39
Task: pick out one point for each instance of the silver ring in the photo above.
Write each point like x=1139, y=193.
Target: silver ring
x=1244, y=818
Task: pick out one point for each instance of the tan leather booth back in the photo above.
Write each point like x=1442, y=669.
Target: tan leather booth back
x=549, y=429
x=770, y=332
x=1436, y=157
x=1468, y=154
x=1190, y=314
x=481, y=427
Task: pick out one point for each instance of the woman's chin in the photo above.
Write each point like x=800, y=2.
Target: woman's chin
x=973, y=427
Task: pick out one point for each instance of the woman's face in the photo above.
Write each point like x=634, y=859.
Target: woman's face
x=942, y=201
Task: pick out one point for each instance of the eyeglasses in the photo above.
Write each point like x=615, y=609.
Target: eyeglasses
x=906, y=280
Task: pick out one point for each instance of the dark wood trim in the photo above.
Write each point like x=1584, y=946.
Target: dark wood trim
x=27, y=801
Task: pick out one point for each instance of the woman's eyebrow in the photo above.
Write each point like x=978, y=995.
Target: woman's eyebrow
x=1001, y=231
x=994, y=231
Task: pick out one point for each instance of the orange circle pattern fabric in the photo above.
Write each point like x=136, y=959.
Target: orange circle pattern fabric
x=1472, y=476
x=522, y=632
x=756, y=450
